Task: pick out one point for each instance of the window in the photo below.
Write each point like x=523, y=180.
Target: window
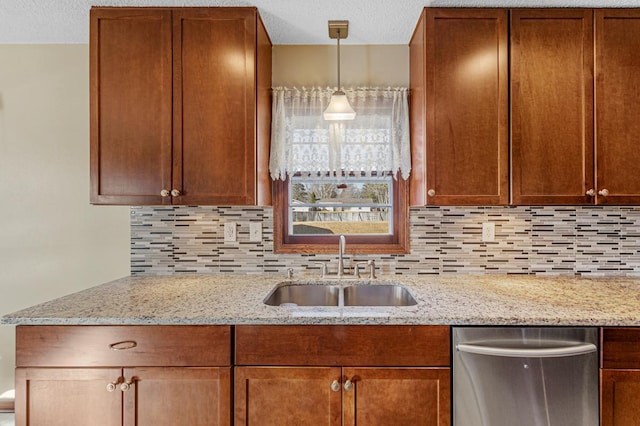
x=335, y=178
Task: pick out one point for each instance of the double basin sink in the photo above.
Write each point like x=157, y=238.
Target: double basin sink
x=305, y=294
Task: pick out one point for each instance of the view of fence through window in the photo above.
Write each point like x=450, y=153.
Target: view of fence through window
x=361, y=205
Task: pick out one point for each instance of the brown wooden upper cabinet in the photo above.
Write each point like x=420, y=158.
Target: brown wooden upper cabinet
x=555, y=157
x=180, y=106
x=551, y=106
x=617, y=106
x=459, y=107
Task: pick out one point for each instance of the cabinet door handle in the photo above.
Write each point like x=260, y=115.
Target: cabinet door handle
x=165, y=193
x=348, y=385
x=335, y=386
x=124, y=345
x=591, y=192
x=112, y=386
x=604, y=192
x=431, y=192
x=125, y=386
x=175, y=193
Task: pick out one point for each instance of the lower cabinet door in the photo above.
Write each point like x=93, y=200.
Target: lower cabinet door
x=68, y=397
x=159, y=396
x=397, y=396
x=619, y=397
x=284, y=396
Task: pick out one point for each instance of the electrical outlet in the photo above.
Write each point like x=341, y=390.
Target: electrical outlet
x=230, y=231
x=488, y=232
x=255, y=231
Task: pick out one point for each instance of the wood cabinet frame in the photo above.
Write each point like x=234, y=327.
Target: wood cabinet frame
x=343, y=367
x=149, y=139
x=551, y=107
x=166, y=367
x=452, y=148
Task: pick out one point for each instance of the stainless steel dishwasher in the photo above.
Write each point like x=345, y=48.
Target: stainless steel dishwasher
x=525, y=376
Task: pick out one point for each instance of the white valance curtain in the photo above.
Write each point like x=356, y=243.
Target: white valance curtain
x=376, y=141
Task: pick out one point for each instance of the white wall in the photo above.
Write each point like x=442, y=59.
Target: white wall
x=52, y=242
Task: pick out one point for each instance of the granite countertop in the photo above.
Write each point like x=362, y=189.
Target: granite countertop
x=442, y=299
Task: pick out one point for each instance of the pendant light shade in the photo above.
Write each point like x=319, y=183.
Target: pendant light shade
x=339, y=107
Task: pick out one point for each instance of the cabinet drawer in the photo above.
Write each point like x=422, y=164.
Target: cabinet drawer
x=122, y=346
x=352, y=345
x=620, y=347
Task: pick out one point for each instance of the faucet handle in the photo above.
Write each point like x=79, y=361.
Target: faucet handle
x=372, y=269
x=290, y=273
x=323, y=269
x=356, y=269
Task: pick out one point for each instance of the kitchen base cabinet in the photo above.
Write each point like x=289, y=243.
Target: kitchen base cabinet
x=123, y=375
x=335, y=396
x=310, y=375
x=620, y=397
x=620, y=377
x=280, y=396
x=67, y=397
x=397, y=396
x=174, y=396
x=156, y=396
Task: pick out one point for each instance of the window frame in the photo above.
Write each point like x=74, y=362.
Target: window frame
x=396, y=243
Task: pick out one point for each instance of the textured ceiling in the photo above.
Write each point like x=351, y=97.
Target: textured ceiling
x=288, y=21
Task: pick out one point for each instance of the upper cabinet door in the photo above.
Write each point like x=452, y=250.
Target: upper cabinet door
x=551, y=106
x=215, y=106
x=463, y=109
x=618, y=106
x=131, y=73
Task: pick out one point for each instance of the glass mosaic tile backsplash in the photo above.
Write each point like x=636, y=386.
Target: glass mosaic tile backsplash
x=590, y=241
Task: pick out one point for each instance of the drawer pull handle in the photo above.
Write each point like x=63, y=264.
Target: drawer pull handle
x=124, y=345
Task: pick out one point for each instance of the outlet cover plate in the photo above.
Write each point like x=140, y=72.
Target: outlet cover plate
x=230, y=231
x=488, y=232
x=255, y=231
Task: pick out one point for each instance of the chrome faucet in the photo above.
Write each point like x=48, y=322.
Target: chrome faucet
x=342, y=243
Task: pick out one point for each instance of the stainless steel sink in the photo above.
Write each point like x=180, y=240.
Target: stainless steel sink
x=304, y=295
x=292, y=294
x=378, y=295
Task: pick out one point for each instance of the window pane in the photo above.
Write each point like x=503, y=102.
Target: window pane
x=354, y=206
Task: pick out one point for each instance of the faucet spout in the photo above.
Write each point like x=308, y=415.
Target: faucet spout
x=342, y=245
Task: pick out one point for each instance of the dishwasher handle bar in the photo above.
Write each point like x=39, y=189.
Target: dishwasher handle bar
x=573, y=350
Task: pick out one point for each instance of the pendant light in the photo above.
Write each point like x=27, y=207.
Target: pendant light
x=339, y=108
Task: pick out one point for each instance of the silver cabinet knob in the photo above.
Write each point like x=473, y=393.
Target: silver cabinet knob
x=431, y=192
x=348, y=385
x=125, y=386
x=604, y=192
x=335, y=386
x=112, y=386
x=175, y=193
x=165, y=193
x=591, y=192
